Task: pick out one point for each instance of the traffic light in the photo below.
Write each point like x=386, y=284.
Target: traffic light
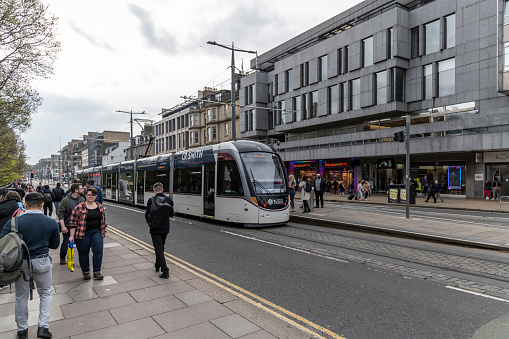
x=32, y=174
x=399, y=136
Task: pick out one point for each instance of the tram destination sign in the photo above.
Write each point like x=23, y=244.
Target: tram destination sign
x=194, y=158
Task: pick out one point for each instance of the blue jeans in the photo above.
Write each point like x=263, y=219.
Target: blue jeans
x=92, y=240
x=292, y=198
x=57, y=205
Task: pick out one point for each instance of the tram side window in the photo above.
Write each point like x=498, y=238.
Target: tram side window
x=151, y=177
x=187, y=180
x=108, y=180
x=228, y=181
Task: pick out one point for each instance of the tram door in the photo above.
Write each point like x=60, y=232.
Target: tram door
x=140, y=187
x=209, y=174
x=114, y=183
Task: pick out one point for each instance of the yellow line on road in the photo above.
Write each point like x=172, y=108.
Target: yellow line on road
x=236, y=290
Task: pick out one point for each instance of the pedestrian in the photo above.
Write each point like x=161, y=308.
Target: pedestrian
x=75, y=181
x=438, y=187
x=360, y=189
x=59, y=195
x=431, y=192
x=328, y=186
x=160, y=233
x=424, y=183
x=292, y=184
x=306, y=191
x=341, y=188
x=496, y=189
x=319, y=186
x=88, y=226
x=350, y=188
x=335, y=185
x=28, y=189
x=8, y=205
x=65, y=208
x=49, y=196
x=367, y=189
x=40, y=233
x=20, y=191
x=487, y=189
x=39, y=188
x=90, y=183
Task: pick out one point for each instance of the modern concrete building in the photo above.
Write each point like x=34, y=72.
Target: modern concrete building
x=331, y=98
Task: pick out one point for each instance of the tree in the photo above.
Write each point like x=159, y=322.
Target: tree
x=28, y=50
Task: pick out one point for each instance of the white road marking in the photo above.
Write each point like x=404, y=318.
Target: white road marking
x=478, y=294
x=126, y=208
x=287, y=247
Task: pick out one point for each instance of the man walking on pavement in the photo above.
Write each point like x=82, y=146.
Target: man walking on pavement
x=319, y=189
x=59, y=195
x=424, y=186
x=438, y=187
x=64, y=216
x=90, y=183
x=159, y=233
x=49, y=197
x=40, y=233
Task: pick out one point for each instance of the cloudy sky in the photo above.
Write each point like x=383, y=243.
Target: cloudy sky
x=118, y=55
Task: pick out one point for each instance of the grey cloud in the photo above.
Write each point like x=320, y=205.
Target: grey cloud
x=93, y=40
x=155, y=37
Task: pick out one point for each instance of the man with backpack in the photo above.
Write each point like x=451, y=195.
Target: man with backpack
x=59, y=195
x=40, y=233
x=64, y=212
x=158, y=213
x=49, y=196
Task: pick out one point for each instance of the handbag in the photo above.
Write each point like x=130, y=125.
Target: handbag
x=70, y=257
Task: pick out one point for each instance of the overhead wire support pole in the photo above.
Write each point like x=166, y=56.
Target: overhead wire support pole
x=132, y=137
x=233, y=49
x=407, y=165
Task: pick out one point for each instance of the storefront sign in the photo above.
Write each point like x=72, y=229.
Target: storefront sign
x=385, y=163
x=308, y=165
x=478, y=177
x=335, y=164
x=496, y=156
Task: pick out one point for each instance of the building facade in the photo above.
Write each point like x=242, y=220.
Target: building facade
x=332, y=98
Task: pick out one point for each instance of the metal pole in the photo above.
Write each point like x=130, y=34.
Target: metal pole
x=407, y=165
x=234, y=129
x=132, y=143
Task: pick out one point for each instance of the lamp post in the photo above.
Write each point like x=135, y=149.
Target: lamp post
x=132, y=137
x=233, y=49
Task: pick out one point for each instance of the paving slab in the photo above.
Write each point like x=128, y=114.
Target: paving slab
x=203, y=330
x=139, y=329
x=95, y=305
x=146, y=309
x=235, y=326
x=126, y=286
x=152, y=293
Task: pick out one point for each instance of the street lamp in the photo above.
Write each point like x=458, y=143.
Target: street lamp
x=132, y=137
x=233, y=49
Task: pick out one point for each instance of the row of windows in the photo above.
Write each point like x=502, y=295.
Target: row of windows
x=431, y=36
x=172, y=125
x=172, y=142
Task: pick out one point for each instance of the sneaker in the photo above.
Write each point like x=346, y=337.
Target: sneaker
x=98, y=276
x=43, y=332
x=22, y=334
x=63, y=261
x=86, y=276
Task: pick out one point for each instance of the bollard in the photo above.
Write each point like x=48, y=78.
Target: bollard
x=312, y=200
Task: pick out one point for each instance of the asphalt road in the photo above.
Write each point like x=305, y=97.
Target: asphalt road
x=356, y=285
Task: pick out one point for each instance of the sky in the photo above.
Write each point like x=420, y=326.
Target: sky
x=144, y=56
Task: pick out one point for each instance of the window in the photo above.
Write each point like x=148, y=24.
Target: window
x=367, y=52
x=355, y=94
x=204, y=135
x=432, y=37
x=249, y=95
x=282, y=112
x=204, y=118
x=506, y=56
x=209, y=116
x=276, y=85
x=226, y=109
x=506, y=13
x=209, y=134
x=340, y=61
x=271, y=119
x=213, y=114
x=313, y=104
x=333, y=99
x=446, y=77
x=344, y=98
x=196, y=141
x=250, y=126
x=381, y=87
x=322, y=68
x=228, y=177
x=304, y=70
x=428, y=81
x=178, y=123
x=450, y=31
x=226, y=129
x=390, y=43
x=304, y=107
x=213, y=133
x=289, y=80
x=196, y=120
x=398, y=85
x=187, y=180
x=414, y=35
x=296, y=114
x=345, y=58
x=269, y=89
x=166, y=127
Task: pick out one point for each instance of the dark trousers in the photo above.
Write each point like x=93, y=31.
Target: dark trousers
x=50, y=207
x=158, y=240
x=93, y=240
x=306, y=206
x=65, y=244
x=319, y=198
x=431, y=195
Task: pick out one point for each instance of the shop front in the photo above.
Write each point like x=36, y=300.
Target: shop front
x=450, y=174
x=302, y=168
x=338, y=170
x=497, y=169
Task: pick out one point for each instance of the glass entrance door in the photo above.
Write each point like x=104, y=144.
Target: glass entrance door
x=209, y=175
x=500, y=174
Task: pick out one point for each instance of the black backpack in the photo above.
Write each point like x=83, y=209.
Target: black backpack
x=308, y=187
x=47, y=198
x=58, y=194
x=160, y=210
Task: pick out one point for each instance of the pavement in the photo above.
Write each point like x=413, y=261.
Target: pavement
x=133, y=302
x=472, y=232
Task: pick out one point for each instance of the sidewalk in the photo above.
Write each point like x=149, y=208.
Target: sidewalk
x=472, y=232
x=133, y=302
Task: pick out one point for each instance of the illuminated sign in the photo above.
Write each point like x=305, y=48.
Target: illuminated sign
x=454, y=177
x=336, y=164
x=301, y=165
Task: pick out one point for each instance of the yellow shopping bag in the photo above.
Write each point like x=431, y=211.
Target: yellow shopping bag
x=70, y=257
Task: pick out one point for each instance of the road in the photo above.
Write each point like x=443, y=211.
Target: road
x=355, y=285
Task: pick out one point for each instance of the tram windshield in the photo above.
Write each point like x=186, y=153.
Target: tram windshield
x=265, y=172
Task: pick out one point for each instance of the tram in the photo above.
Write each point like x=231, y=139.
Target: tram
x=242, y=182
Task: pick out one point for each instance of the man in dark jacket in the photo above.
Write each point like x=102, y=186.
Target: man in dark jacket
x=319, y=186
x=432, y=190
x=64, y=216
x=49, y=196
x=99, y=198
x=439, y=190
x=40, y=233
x=20, y=191
x=160, y=233
x=8, y=206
